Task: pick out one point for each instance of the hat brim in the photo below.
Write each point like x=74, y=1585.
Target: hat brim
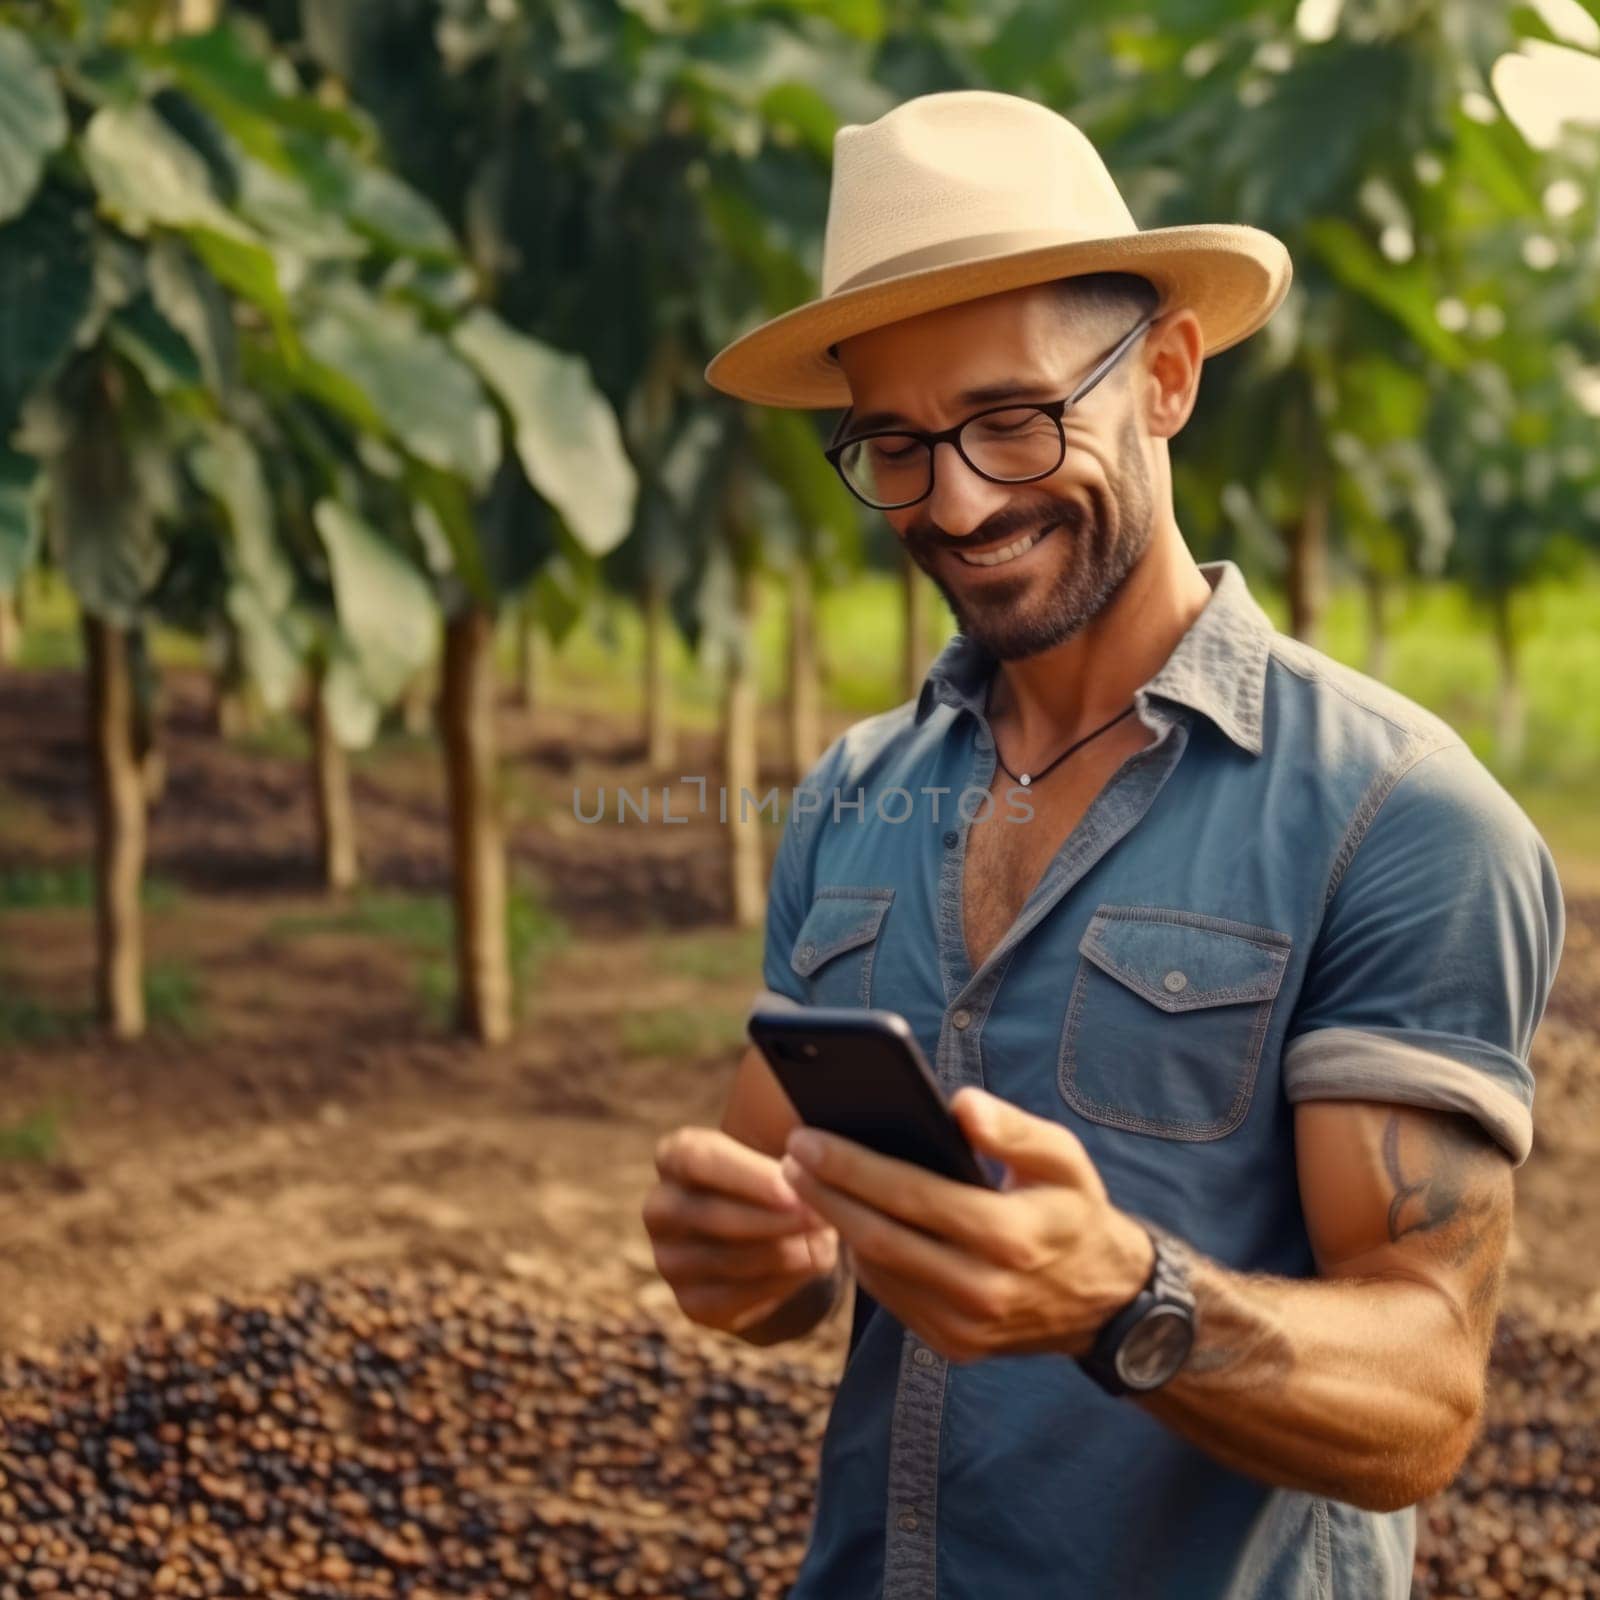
x=1233, y=278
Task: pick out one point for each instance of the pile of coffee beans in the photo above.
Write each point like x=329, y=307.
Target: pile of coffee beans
x=415, y=1435
x=1523, y=1515
x=427, y=1434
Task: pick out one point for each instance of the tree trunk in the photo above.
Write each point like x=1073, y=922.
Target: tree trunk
x=740, y=765
x=531, y=657
x=1510, y=712
x=119, y=830
x=1308, y=566
x=660, y=743
x=417, y=703
x=805, y=698
x=467, y=700
x=146, y=690
x=1377, y=595
x=337, y=856
x=914, y=618
x=10, y=629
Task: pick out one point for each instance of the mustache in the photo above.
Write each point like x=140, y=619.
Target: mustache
x=930, y=538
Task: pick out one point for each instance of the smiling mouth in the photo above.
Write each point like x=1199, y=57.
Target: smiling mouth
x=1007, y=552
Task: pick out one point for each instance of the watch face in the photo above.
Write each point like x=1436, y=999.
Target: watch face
x=1155, y=1347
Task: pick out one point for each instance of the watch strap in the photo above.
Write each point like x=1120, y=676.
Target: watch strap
x=1167, y=1284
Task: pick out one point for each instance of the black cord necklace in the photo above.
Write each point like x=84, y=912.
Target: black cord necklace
x=1027, y=778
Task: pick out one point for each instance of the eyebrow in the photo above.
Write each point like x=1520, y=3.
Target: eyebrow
x=984, y=394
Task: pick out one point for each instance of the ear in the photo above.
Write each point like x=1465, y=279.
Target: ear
x=1172, y=366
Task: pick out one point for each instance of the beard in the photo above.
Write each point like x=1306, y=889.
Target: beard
x=1094, y=551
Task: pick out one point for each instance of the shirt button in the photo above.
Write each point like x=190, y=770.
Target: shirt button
x=959, y=1019
x=908, y=1521
x=951, y=839
x=809, y=950
x=923, y=1356
x=1174, y=983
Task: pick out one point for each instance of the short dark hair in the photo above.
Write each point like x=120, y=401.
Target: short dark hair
x=1121, y=297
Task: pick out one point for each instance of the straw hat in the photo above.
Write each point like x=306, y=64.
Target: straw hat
x=956, y=195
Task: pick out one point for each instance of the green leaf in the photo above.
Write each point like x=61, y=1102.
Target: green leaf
x=33, y=121
x=46, y=279
x=804, y=111
x=1403, y=291
x=353, y=709
x=226, y=464
x=382, y=206
x=102, y=526
x=385, y=606
x=792, y=453
x=283, y=209
x=233, y=79
x=147, y=174
x=270, y=656
x=566, y=433
x=252, y=274
x=446, y=498
x=193, y=302
x=21, y=492
x=429, y=401
x=154, y=346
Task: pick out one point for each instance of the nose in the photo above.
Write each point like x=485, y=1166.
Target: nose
x=962, y=500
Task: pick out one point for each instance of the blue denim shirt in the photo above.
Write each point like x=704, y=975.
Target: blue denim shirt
x=1307, y=887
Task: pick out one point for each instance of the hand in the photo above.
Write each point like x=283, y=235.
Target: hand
x=1034, y=1268
x=730, y=1235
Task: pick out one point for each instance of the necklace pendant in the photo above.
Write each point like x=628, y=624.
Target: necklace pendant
x=1023, y=780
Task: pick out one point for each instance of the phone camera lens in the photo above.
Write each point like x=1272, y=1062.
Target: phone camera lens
x=809, y=1049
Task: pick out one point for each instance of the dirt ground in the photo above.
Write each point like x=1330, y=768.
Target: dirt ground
x=321, y=1119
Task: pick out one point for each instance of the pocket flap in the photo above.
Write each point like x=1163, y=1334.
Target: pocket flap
x=841, y=917
x=1180, y=960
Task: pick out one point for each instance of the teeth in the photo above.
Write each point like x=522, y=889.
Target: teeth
x=1009, y=552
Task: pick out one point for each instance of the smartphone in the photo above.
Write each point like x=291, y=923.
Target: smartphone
x=860, y=1073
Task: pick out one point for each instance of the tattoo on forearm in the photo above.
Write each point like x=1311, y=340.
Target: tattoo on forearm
x=1442, y=1195
x=1450, y=1200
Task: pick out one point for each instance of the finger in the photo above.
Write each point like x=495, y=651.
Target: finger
x=671, y=1210
x=701, y=1261
x=950, y=1271
x=962, y=1213
x=708, y=1158
x=1034, y=1148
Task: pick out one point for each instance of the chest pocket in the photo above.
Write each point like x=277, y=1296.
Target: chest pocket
x=834, y=949
x=1166, y=1020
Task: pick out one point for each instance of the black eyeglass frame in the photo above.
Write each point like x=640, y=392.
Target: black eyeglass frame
x=1054, y=409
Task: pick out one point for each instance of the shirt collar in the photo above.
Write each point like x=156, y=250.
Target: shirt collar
x=1218, y=667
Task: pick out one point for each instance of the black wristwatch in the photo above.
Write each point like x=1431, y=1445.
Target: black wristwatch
x=1146, y=1343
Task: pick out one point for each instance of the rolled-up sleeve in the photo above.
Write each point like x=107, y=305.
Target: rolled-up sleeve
x=1435, y=957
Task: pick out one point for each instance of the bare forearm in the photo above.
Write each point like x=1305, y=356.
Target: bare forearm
x=1365, y=1390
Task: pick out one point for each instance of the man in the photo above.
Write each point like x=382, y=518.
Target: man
x=1244, y=1004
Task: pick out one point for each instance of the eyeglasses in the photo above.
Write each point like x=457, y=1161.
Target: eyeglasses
x=1005, y=444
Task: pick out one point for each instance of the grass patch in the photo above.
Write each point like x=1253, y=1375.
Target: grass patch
x=718, y=955
x=173, y=1005
x=34, y=888
x=23, y=1020
x=686, y=1032
x=172, y=1000
x=285, y=737
x=421, y=921
x=34, y=1140
x=424, y=926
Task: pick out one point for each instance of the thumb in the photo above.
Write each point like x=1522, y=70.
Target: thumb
x=1034, y=1148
